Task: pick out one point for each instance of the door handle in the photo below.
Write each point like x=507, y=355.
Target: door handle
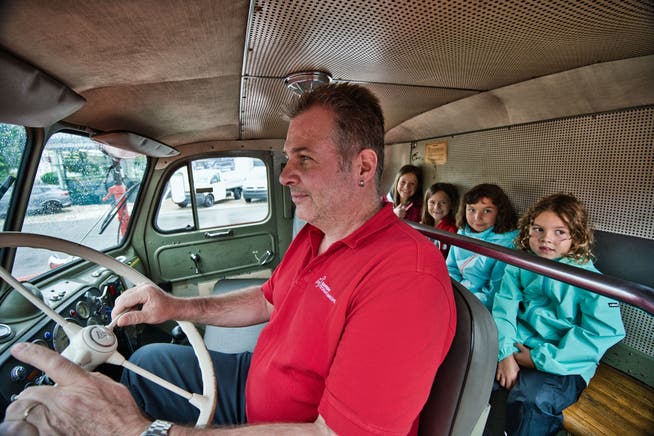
x=196, y=261
x=265, y=257
x=218, y=234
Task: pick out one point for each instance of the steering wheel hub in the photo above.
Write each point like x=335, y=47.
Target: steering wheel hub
x=102, y=337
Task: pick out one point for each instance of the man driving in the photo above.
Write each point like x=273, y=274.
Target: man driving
x=360, y=311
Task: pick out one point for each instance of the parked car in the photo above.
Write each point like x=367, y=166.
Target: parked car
x=224, y=164
x=256, y=185
x=45, y=199
x=210, y=187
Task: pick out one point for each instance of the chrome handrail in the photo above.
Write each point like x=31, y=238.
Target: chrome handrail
x=633, y=293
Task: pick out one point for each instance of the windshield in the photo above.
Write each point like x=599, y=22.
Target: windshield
x=83, y=192
x=12, y=144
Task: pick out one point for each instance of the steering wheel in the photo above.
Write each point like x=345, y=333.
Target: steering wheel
x=93, y=345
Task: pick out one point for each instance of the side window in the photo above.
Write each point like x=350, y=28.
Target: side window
x=83, y=192
x=228, y=191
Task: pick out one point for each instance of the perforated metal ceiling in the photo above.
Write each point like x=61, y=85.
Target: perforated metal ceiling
x=465, y=44
x=449, y=49
x=265, y=98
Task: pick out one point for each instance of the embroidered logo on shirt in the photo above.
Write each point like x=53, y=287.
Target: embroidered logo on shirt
x=325, y=289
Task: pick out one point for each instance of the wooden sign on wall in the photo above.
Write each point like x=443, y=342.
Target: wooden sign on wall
x=436, y=152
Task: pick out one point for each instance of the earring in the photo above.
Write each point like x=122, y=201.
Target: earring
x=361, y=183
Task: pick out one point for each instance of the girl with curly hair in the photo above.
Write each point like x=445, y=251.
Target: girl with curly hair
x=551, y=334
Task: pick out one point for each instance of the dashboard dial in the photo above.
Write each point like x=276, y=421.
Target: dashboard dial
x=83, y=309
x=60, y=339
x=40, y=342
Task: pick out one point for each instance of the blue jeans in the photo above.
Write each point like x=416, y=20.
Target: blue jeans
x=534, y=406
x=178, y=365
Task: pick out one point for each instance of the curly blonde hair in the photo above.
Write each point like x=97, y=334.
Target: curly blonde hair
x=574, y=215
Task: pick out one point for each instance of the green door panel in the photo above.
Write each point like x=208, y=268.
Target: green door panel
x=214, y=257
x=224, y=240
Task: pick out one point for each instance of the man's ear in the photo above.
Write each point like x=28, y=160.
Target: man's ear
x=367, y=164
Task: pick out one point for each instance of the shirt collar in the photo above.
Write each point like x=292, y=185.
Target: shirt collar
x=379, y=221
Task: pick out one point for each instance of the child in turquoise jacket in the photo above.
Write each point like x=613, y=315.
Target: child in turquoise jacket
x=485, y=213
x=551, y=334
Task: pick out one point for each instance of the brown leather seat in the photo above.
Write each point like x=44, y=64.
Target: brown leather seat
x=458, y=402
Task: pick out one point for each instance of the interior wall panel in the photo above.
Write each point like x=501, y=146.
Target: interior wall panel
x=606, y=160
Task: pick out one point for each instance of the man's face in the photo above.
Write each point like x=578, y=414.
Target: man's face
x=322, y=192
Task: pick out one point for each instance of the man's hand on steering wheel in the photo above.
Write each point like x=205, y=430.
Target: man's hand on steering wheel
x=81, y=403
x=144, y=303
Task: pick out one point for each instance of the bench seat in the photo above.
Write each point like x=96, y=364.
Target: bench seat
x=614, y=403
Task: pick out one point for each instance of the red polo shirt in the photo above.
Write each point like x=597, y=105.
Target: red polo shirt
x=357, y=332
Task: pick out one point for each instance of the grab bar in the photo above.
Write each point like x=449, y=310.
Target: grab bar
x=633, y=293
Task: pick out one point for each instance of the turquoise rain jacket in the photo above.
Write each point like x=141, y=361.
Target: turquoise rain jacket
x=567, y=328
x=481, y=275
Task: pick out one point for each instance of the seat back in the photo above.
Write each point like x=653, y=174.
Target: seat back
x=458, y=401
x=233, y=339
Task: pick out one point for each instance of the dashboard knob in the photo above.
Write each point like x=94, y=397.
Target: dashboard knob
x=18, y=373
x=6, y=333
